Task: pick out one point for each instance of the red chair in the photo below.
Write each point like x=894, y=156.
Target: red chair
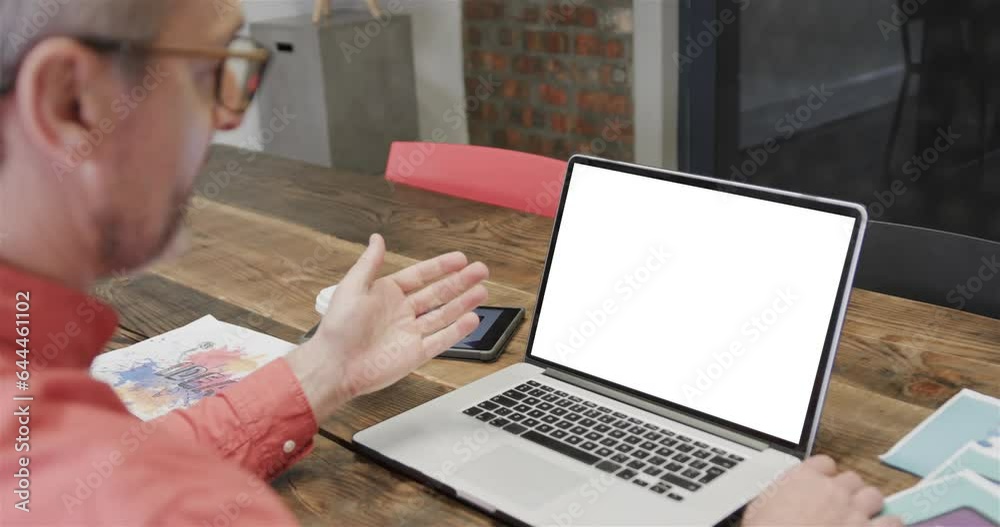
x=515, y=180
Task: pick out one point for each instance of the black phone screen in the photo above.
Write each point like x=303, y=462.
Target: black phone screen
x=492, y=323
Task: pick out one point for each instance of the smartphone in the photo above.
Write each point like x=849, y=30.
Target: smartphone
x=486, y=343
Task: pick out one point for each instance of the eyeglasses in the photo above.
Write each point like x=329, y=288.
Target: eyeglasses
x=238, y=77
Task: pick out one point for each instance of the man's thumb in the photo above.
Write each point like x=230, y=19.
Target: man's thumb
x=366, y=269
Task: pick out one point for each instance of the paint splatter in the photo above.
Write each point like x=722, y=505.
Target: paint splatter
x=180, y=367
x=142, y=375
x=225, y=360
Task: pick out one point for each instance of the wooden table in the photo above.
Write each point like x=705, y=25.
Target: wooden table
x=270, y=233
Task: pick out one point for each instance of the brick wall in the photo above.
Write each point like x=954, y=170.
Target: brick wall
x=550, y=77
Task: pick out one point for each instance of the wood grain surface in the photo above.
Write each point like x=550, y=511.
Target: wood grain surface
x=269, y=233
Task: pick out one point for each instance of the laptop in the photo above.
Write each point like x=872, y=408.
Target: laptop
x=677, y=363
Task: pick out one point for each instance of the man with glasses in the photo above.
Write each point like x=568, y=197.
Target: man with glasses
x=107, y=110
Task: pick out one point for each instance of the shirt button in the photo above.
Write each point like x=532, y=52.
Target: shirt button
x=289, y=446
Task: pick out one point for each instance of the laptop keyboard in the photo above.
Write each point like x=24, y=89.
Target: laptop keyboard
x=649, y=456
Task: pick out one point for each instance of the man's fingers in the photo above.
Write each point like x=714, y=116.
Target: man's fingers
x=869, y=500
x=447, y=314
x=444, y=291
x=419, y=275
x=822, y=463
x=364, y=271
x=849, y=481
x=887, y=521
x=436, y=343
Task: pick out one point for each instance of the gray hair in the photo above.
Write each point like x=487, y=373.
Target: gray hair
x=25, y=22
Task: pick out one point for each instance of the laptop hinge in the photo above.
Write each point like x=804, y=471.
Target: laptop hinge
x=659, y=410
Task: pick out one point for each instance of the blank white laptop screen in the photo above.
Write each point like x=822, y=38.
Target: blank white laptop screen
x=713, y=301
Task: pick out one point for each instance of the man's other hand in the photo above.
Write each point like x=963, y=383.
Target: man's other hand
x=376, y=331
x=814, y=494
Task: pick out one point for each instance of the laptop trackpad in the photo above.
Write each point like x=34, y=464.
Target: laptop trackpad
x=520, y=476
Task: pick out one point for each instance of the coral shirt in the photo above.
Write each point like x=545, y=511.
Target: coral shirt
x=71, y=454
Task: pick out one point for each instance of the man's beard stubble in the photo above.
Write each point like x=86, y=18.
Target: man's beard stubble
x=122, y=258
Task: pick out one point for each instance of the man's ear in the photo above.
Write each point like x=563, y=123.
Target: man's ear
x=54, y=96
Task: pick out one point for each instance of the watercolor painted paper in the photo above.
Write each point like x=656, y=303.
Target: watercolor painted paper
x=181, y=367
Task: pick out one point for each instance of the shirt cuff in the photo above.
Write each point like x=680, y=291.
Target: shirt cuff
x=276, y=416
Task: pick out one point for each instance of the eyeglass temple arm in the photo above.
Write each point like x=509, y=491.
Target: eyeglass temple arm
x=260, y=55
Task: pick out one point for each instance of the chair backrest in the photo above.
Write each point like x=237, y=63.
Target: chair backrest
x=931, y=266
x=515, y=180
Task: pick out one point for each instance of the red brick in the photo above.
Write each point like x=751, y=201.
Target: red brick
x=553, y=94
x=525, y=116
x=588, y=45
x=473, y=36
x=560, y=14
x=611, y=74
x=554, y=66
x=559, y=123
x=483, y=9
x=556, y=42
x=562, y=149
x=478, y=133
x=496, y=9
x=527, y=65
x=506, y=37
x=494, y=62
x=479, y=59
x=519, y=114
x=473, y=58
x=587, y=128
x=591, y=101
x=514, y=138
x=586, y=16
x=601, y=102
x=606, y=74
x=617, y=104
x=528, y=117
x=499, y=138
x=548, y=147
x=476, y=111
x=531, y=143
x=614, y=48
x=568, y=124
x=529, y=14
x=557, y=147
x=556, y=69
x=514, y=89
x=533, y=41
x=628, y=133
x=485, y=111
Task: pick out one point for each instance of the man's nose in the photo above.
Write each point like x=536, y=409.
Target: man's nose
x=226, y=119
